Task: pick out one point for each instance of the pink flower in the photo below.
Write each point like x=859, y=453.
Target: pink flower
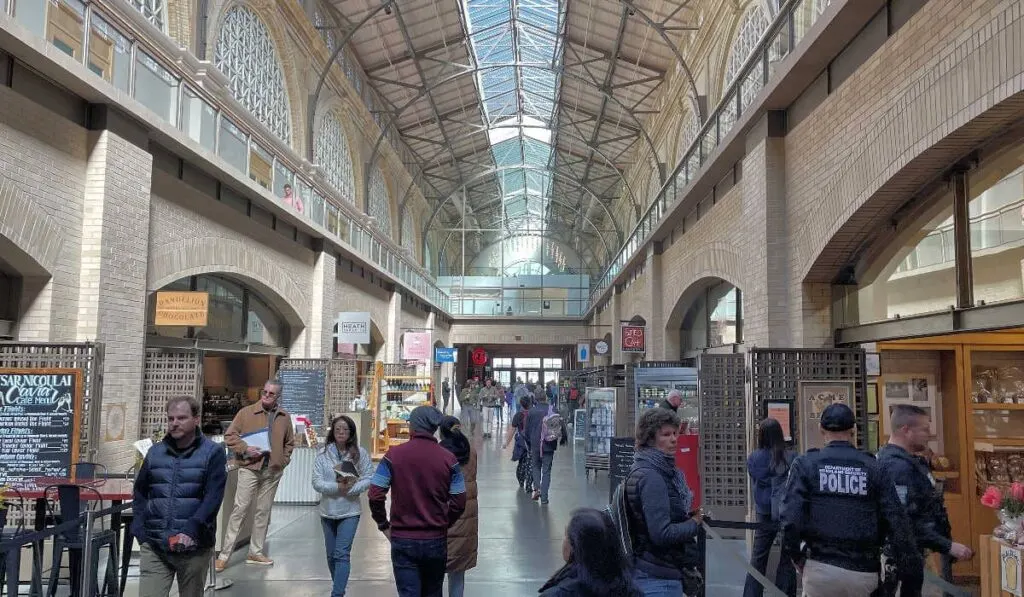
x=1017, y=491
x=993, y=498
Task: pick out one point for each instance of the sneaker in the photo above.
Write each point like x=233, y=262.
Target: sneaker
x=543, y=502
x=259, y=560
x=220, y=565
x=535, y=496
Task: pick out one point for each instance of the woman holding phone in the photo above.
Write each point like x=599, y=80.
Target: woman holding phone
x=341, y=472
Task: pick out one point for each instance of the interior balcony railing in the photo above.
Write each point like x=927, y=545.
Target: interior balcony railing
x=121, y=47
x=784, y=33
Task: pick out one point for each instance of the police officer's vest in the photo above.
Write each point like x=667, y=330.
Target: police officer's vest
x=844, y=512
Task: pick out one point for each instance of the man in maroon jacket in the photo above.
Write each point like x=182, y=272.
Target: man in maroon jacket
x=429, y=496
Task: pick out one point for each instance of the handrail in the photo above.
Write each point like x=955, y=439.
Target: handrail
x=731, y=105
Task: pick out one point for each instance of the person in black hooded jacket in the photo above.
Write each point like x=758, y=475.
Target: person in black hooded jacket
x=594, y=563
x=659, y=501
x=177, y=496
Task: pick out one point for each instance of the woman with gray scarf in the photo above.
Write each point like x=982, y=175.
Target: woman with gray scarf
x=659, y=502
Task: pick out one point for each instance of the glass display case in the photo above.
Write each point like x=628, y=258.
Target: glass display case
x=652, y=386
x=600, y=425
x=997, y=414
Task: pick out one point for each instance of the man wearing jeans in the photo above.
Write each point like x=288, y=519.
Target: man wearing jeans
x=542, y=452
x=259, y=471
x=176, y=499
x=429, y=496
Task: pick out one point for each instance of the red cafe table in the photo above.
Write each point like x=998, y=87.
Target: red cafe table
x=116, y=491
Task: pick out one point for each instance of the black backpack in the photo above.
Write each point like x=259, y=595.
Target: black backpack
x=618, y=511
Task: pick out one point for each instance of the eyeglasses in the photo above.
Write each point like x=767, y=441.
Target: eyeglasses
x=266, y=393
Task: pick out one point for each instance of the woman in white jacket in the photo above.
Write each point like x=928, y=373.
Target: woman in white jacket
x=341, y=472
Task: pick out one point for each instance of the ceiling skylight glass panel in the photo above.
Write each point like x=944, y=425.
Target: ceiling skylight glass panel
x=520, y=41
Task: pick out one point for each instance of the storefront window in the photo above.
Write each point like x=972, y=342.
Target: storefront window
x=264, y=327
x=227, y=310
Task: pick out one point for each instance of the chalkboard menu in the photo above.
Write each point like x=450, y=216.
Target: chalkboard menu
x=303, y=392
x=620, y=461
x=40, y=410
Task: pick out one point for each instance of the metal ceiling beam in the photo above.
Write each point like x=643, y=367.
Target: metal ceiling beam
x=607, y=55
x=459, y=39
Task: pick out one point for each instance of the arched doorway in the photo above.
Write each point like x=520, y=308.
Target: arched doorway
x=22, y=279
x=225, y=362
x=707, y=317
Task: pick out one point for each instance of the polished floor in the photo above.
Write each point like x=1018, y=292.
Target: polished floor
x=520, y=540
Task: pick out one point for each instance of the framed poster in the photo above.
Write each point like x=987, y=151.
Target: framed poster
x=783, y=413
x=815, y=396
x=872, y=398
x=916, y=389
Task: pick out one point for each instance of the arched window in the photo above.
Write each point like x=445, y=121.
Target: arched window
x=409, y=232
x=752, y=27
x=688, y=133
x=154, y=11
x=333, y=155
x=379, y=206
x=325, y=26
x=246, y=55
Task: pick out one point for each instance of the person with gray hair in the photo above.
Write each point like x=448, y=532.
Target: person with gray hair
x=672, y=401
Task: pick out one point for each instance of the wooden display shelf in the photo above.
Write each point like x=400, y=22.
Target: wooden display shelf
x=946, y=475
x=991, y=567
x=1001, y=442
x=995, y=406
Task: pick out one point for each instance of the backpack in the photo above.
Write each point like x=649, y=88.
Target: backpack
x=779, y=487
x=618, y=511
x=551, y=428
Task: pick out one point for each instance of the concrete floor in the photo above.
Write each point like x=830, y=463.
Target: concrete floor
x=519, y=549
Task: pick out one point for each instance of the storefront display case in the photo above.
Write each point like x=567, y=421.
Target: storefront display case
x=395, y=391
x=974, y=386
x=652, y=385
x=601, y=426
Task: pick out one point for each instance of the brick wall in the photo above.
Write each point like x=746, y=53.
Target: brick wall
x=42, y=159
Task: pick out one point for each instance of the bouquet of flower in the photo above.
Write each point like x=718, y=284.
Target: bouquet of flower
x=1010, y=504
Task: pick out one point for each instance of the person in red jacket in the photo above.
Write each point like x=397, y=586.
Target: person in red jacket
x=429, y=496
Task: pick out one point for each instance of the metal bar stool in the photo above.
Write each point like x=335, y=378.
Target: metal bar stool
x=72, y=505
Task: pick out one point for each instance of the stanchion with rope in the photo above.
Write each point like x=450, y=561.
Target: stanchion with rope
x=214, y=584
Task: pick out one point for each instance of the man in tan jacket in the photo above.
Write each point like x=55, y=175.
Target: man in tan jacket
x=259, y=472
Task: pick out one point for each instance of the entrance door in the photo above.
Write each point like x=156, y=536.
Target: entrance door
x=529, y=376
x=166, y=374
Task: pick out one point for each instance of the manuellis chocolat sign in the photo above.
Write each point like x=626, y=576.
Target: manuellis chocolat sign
x=634, y=338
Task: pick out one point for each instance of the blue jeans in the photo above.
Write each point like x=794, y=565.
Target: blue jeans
x=542, y=473
x=338, y=537
x=419, y=566
x=456, y=583
x=658, y=587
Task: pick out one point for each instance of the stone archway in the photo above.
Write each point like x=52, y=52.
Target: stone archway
x=691, y=315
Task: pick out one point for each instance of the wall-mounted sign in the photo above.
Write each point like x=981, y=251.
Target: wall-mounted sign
x=601, y=347
x=182, y=308
x=445, y=355
x=353, y=328
x=583, y=352
x=634, y=338
x=479, y=357
x=416, y=346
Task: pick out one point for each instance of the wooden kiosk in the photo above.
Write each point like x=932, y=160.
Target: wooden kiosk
x=973, y=384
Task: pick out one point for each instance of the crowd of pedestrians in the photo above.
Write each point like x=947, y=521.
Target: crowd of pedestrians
x=850, y=524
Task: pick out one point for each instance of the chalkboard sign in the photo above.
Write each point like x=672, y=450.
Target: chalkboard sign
x=303, y=392
x=40, y=411
x=579, y=425
x=620, y=461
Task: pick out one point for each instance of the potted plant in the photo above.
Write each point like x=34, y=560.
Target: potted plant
x=1009, y=503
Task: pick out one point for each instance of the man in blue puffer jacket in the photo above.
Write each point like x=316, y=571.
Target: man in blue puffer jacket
x=177, y=496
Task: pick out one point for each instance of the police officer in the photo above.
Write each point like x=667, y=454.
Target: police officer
x=917, y=491
x=842, y=505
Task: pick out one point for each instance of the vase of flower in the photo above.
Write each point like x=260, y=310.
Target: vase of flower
x=1009, y=506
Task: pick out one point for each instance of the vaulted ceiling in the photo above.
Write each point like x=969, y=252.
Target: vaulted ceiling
x=523, y=116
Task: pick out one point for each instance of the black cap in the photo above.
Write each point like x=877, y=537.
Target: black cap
x=837, y=417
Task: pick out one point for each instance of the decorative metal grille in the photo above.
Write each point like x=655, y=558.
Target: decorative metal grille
x=776, y=375
x=342, y=385
x=154, y=11
x=333, y=155
x=164, y=376
x=752, y=27
x=408, y=233
x=324, y=26
x=723, y=434
x=379, y=205
x=246, y=55
x=85, y=356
